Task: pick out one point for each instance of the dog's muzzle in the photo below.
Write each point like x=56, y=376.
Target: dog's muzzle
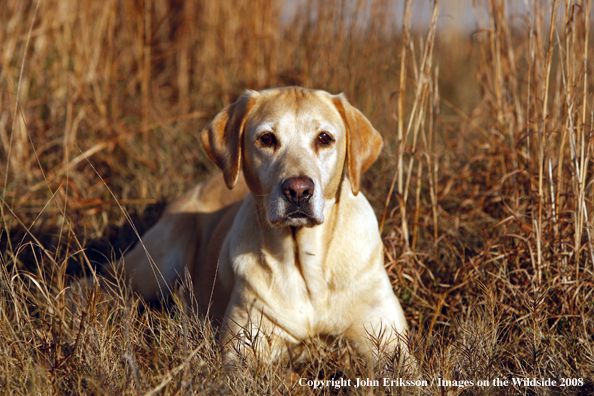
x=297, y=192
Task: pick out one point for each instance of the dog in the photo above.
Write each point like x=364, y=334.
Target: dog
x=282, y=247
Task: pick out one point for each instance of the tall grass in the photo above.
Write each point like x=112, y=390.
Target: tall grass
x=484, y=190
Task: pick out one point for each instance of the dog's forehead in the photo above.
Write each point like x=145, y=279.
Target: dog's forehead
x=291, y=106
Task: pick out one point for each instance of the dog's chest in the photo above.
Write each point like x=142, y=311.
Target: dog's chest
x=303, y=292
x=300, y=279
x=297, y=276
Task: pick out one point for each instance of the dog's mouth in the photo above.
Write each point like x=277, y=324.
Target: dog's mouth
x=298, y=214
x=299, y=217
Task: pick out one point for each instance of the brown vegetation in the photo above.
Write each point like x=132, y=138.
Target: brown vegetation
x=484, y=190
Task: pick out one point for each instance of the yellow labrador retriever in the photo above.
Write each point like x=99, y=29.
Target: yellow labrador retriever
x=290, y=250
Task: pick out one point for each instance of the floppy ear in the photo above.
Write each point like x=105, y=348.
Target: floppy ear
x=364, y=143
x=222, y=137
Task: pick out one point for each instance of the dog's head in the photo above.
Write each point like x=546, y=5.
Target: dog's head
x=292, y=144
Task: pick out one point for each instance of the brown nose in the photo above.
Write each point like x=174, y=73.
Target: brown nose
x=298, y=190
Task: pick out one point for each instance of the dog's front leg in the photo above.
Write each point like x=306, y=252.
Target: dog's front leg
x=250, y=335
x=380, y=333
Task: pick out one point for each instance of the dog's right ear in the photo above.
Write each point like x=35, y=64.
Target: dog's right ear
x=223, y=136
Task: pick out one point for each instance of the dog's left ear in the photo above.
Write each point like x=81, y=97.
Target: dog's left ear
x=222, y=137
x=364, y=143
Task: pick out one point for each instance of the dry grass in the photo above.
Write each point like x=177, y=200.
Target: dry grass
x=484, y=190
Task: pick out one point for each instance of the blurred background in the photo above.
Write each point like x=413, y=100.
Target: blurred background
x=137, y=80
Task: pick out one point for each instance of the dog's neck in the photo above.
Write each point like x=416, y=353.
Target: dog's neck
x=308, y=247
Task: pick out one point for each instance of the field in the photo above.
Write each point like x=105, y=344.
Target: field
x=484, y=190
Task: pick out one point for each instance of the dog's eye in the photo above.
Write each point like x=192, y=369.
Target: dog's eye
x=324, y=139
x=268, y=140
